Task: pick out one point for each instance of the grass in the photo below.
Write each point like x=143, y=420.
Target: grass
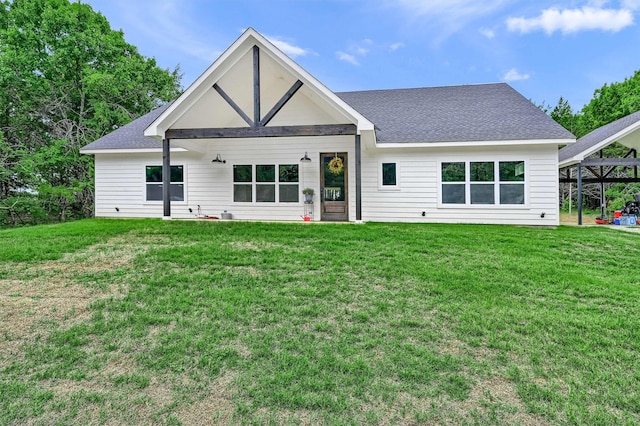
x=143, y=321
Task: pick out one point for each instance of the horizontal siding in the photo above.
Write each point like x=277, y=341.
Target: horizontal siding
x=120, y=182
x=418, y=191
x=120, y=178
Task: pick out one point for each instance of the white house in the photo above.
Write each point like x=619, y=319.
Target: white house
x=255, y=129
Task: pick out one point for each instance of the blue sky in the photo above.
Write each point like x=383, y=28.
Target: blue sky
x=544, y=49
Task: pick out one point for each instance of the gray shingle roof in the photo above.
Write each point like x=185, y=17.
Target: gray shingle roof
x=484, y=112
x=130, y=136
x=584, y=145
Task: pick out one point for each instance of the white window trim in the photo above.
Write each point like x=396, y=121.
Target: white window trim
x=496, y=183
x=382, y=187
x=144, y=183
x=277, y=184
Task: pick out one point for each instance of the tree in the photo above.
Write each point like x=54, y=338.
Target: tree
x=66, y=79
x=563, y=114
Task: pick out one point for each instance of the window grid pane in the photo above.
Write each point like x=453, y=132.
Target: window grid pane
x=511, y=193
x=288, y=173
x=453, y=172
x=177, y=174
x=483, y=193
x=453, y=193
x=265, y=193
x=511, y=171
x=176, y=192
x=482, y=172
x=242, y=193
x=288, y=194
x=154, y=173
x=389, y=174
x=154, y=192
x=242, y=173
x=265, y=173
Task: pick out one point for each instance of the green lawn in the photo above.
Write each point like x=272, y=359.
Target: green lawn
x=155, y=322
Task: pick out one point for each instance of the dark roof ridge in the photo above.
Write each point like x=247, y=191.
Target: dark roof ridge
x=448, y=86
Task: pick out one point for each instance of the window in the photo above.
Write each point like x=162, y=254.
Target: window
x=153, y=178
x=268, y=186
x=483, y=182
x=453, y=186
x=242, y=183
x=388, y=175
x=482, y=177
x=512, y=182
x=288, y=188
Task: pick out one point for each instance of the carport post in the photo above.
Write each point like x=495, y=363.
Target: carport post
x=579, y=193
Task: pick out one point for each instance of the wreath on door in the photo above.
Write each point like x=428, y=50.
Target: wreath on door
x=336, y=166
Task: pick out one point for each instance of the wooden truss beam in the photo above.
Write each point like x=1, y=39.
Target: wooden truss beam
x=602, y=180
x=278, y=106
x=256, y=86
x=257, y=121
x=233, y=105
x=595, y=162
x=262, y=132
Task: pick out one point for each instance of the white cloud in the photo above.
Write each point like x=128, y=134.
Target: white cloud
x=396, y=46
x=488, y=33
x=443, y=18
x=362, y=51
x=574, y=20
x=514, y=75
x=287, y=47
x=362, y=48
x=347, y=58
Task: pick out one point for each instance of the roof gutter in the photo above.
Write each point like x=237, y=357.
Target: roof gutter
x=462, y=144
x=129, y=150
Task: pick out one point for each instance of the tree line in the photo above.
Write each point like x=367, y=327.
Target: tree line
x=66, y=79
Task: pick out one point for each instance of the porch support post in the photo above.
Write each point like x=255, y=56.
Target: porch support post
x=603, y=201
x=358, y=179
x=166, y=179
x=579, y=193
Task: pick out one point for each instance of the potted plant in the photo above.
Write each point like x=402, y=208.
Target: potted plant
x=308, y=194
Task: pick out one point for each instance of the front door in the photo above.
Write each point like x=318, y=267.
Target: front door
x=334, y=197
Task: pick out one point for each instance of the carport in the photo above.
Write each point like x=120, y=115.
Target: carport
x=587, y=153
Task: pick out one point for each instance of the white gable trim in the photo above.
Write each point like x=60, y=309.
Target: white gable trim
x=226, y=61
